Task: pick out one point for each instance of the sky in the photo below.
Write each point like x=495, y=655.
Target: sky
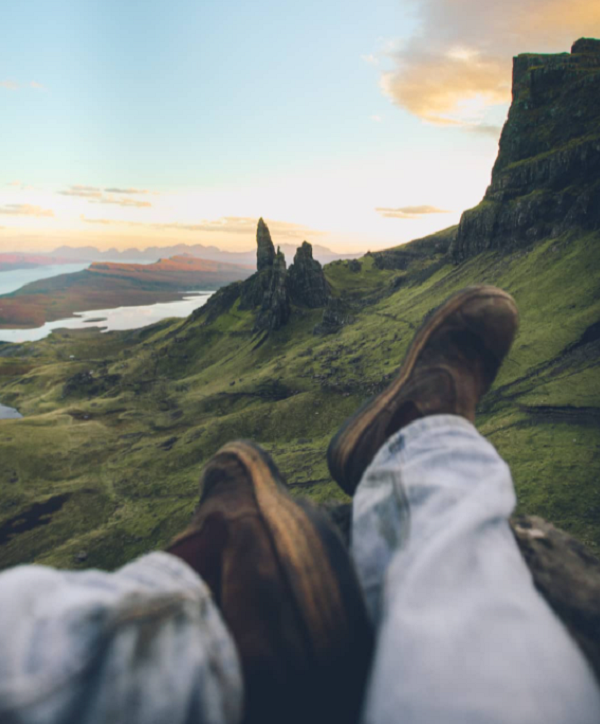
x=354, y=124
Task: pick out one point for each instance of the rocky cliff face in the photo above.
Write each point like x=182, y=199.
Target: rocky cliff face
x=306, y=281
x=546, y=179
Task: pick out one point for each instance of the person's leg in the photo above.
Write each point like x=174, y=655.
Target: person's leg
x=143, y=644
x=463, y=636
x=254, y=614
x=286, y=588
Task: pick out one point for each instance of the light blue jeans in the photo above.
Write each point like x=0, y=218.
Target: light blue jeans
x=463, y=636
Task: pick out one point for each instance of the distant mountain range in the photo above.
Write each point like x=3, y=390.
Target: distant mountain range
x=210, y=253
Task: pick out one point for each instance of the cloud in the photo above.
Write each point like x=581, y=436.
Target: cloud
x=96, y=195
x=8, y=84
x=458, y=64
x=20, y=185
x=485, y=129
x=37, y=86
x=409, y=212
x=85, y=192
x=226, y=224
x=25, y=210
x=126, y=191
x=105, y=222
x=123, y=202
x=376, y=119
x=448, y=90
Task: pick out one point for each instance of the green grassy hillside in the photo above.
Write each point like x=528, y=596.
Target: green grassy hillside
x=107, y=458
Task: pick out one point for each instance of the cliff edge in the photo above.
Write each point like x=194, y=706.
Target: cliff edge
x=546, y=179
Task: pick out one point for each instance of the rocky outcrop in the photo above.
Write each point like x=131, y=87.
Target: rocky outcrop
x=265, y=253
x=335, y=316
x=272, y=289
x=275, y=307
x=306, y=281
x=546, y=179
x=568, y=577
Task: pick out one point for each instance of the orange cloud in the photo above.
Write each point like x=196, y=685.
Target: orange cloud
x=409, y=212
x=96, y=195
x=8, y=84
x=25, y=210
x=458, y=65
x=446, y=89
x=126, y=191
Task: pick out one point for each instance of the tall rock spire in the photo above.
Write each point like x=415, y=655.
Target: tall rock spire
x=265, y=252
x=306, y=280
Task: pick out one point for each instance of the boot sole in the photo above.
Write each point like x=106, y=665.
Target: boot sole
x=344, y=441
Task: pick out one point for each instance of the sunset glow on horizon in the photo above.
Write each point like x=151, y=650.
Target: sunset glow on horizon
x=352, y=125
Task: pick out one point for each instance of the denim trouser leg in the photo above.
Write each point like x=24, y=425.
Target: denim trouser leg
x=143, y=645
x=463, y=636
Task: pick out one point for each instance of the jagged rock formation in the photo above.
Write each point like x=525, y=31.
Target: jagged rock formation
x=546, y=179
x=306, y=281
x=272, y=289
x=266, y=290
x=265, y=253
x=275, y=307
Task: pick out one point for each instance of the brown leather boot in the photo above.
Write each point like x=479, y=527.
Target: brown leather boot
x=286, y=588
x=450, y=364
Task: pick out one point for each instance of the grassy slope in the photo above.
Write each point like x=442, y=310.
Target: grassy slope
x=128, y=442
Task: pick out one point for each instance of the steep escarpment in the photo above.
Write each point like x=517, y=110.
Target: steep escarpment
x=546, y=179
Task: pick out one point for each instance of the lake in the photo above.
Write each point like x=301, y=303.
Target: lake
x=12, y=280
x=120, y=318
x=8, y=413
